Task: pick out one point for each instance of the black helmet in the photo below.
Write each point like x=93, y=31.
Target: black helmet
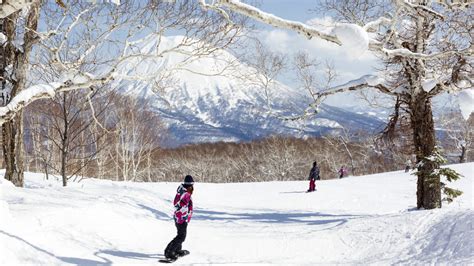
x=188, y=180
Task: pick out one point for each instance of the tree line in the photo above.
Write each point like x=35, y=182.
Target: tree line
x=125, y=142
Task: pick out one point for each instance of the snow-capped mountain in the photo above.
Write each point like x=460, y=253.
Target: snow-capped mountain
x=209, y=108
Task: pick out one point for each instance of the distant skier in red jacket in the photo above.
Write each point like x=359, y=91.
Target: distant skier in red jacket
x=313, y=176
x=183, y=212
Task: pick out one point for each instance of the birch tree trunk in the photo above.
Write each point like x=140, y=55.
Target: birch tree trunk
x=12, y=130
x=12, y=134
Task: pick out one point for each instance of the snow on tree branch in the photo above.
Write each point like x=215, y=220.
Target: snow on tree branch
x=376, y=23
x=77, y=50
x=344, y=34
x=12, y=6
x=415, y=8
x=271, y=19
x=367, y=81
x=43, y=91
x=403, y=52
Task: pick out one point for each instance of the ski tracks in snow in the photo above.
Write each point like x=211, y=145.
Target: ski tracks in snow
x=367, y=239
x=431, y=237
x=448, y=236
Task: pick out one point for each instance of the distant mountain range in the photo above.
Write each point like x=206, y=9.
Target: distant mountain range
x=210, y=108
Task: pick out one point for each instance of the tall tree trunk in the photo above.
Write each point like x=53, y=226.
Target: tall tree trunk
x=462, y=157
x=428, y=187
x=12, y=130
x=36, y=142
x=12, y=134
x=148, y=165
x=46, y=170
x=64, y=141
x=63, y=166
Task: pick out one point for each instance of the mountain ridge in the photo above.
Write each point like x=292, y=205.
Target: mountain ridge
x=210, y=108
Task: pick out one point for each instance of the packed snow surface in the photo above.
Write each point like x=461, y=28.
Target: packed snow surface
x=356, y=220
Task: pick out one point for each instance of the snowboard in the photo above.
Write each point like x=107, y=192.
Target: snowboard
x=166, y=260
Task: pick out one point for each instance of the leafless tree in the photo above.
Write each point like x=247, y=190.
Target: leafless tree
x=68, y=115
x=41, y=149
x=264, y=68
x=138, y=131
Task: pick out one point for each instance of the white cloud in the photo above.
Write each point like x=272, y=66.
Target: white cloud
x=289, y=43
x=277, y=40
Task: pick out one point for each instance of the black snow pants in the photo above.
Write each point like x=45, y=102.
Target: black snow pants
x=176, y=244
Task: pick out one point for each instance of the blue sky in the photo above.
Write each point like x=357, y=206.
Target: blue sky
x=295, y=10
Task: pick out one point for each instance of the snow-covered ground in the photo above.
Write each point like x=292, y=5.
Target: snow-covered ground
x=356, y=220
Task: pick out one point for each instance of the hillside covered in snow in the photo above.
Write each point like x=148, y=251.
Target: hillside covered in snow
x=355, y=220
x=214, y=98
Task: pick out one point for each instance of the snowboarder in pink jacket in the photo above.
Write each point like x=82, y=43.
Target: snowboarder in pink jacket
x=182, y=215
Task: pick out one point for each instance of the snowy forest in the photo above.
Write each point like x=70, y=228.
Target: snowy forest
x=112, y=103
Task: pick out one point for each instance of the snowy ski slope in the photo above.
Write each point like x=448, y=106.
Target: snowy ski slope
x=356, y=220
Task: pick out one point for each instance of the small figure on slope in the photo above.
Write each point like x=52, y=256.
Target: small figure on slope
x=313, y=176
x=183, y=211
x=342, y=172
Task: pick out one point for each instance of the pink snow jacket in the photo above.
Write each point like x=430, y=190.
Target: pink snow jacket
x=183, y=206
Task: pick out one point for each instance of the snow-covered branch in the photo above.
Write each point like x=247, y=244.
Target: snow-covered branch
x=12, y=6
x=78, y=50
x=373, y=25
x=415, y=8
x=460, y=79
x=403, y=52
x=271, y=19
x=36, y=92
x=342, y=33
x=367, y=81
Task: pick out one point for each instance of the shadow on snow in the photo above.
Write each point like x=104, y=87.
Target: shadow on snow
x=158, y=214
x=99, y=254
x=129, y=254
x=308, y=218
x=72, y=260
